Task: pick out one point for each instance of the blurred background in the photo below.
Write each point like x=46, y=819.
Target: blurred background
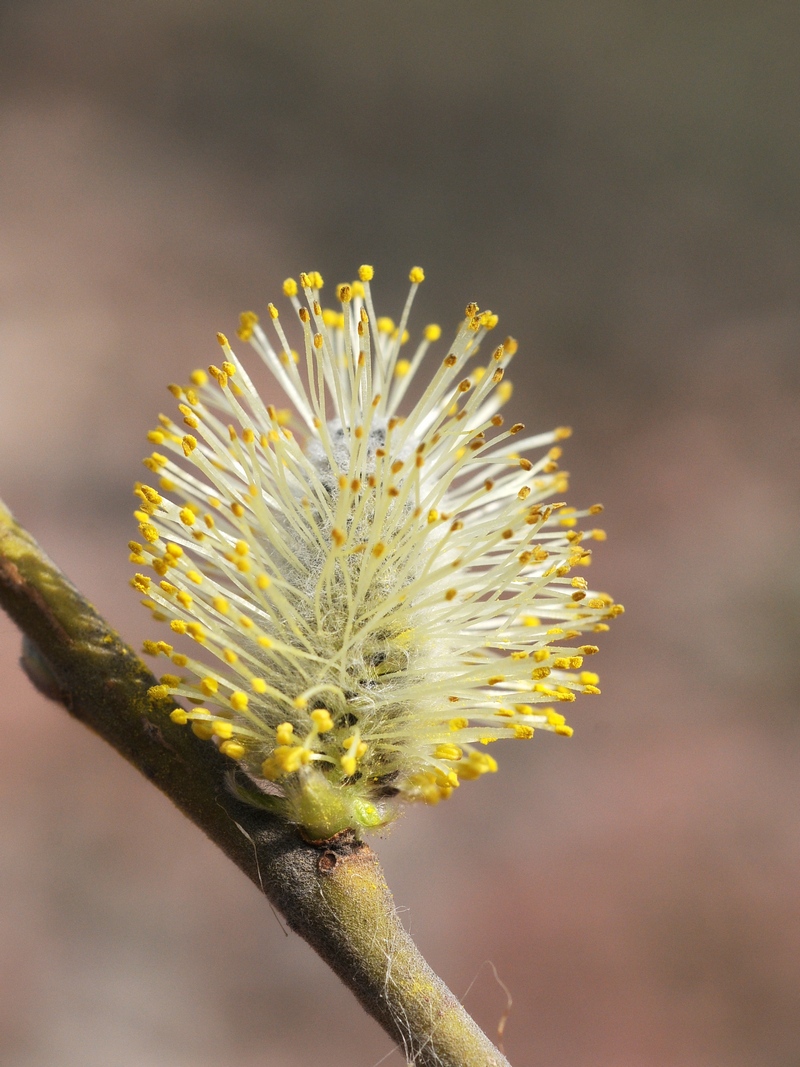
x=620, y=181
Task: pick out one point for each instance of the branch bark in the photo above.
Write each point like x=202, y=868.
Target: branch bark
x=332, y=893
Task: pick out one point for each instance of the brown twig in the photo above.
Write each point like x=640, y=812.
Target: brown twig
x=332, y=893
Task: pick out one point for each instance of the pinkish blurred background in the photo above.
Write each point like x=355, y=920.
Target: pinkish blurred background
x=621, y=181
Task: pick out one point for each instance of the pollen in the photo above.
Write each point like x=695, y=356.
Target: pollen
x=400, y=550
x=322, y=719
x=233, y=749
